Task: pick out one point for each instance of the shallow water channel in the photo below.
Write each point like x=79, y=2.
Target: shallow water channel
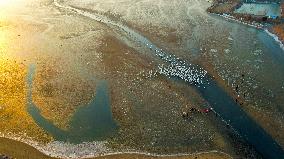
x=100, y=125
x=90, y=122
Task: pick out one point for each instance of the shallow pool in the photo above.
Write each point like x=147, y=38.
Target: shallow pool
x=90, y=122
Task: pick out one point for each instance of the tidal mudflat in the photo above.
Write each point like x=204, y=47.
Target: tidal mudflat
x=92, y=80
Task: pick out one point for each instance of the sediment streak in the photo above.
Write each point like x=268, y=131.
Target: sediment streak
x=173, y=67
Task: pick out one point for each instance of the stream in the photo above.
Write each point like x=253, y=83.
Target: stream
x=219, y=100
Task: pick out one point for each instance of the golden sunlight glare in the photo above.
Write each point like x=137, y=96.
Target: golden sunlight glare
x=8, y=2
x=4, y=2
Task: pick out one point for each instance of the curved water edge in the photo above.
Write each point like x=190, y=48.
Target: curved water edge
x=275, y=37
x=62, y=147
x=222, y=103
x=254, y=25
x=207, y=92
x=91, y=122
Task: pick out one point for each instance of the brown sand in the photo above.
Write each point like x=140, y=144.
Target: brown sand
x=20, y=150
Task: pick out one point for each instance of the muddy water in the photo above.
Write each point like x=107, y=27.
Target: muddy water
x=222, y=103
x=35, y=112
x=94, y=121
x=233, y=115
x=90, y=122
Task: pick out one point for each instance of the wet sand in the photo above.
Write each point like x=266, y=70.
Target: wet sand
x=14, y=118
x=20, y=150
x=72, y=51
x=218, y=41
x=59, y=74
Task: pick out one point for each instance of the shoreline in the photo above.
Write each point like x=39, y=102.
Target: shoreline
x=38, y=145
x=169, y=155
x=40, y=149
x=276, y=38
x=259, y=27
x=228, y=16
x=65, y=149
